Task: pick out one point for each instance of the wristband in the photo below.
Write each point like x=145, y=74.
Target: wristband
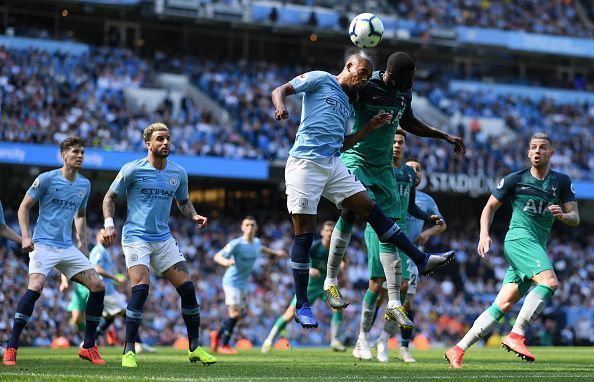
x=109, y=223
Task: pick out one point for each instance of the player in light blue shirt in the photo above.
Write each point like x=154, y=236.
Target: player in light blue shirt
x=239, y=256
x=62, y=195
x=314, y=170
x=419, y=237
x=150, y=186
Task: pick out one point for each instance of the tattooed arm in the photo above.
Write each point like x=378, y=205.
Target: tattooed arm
x=187, y=209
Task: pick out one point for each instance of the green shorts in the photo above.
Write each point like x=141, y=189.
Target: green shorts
x=78, y=301
x=379, y=181
x=374, y=264
x=526, y=258
x=314, y=292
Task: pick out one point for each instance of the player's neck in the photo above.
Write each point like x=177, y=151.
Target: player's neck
x=248, y=238
x=69, y=173
x=539, y=172
x=326, y=244
x=396, y=162
x=157, y=162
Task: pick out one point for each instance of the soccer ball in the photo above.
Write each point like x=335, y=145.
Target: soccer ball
x=366, y=30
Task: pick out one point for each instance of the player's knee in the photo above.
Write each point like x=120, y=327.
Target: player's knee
x=375, y=285
x=96, y=285
x=404, y=286
x=505, y=306
x=551, y=283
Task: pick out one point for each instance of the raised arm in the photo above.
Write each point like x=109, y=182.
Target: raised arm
x=485, y=241
x=23, y=215
x=279, y=95
x=80, y=224
x=571, y=217
x=415, y=126
x=108, y=213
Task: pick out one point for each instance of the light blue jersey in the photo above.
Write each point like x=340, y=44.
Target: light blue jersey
x=245, y=255
x=425, y=203
x=100, y=256
x=150, y=193
x=2, y=220
x=324, y=116
x=59, y=202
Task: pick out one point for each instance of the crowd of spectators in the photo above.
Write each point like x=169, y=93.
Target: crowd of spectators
x=45, y=97
x=557, y=17
x=446, y=304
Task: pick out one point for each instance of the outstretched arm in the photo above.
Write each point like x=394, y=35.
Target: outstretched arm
x=415, y=126
x=275, y=252
x=486, y=218
x=279, y=96
x=570, y=218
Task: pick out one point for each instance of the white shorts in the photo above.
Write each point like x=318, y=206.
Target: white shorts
x=160, y=255
x=307, y=180
x=413, y=277
x=234, y=296
x=114, y=303
x=70, y=261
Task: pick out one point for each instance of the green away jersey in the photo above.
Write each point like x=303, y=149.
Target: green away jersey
x=405, y=181
x=376, y=148
x=530, y=199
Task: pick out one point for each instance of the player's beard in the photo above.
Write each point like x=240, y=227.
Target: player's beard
x=160, y=154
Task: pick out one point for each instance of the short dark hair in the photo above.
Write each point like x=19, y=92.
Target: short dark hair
x=400, y=131
x=249, y=217
x=328, y=222
x=71, y=142
x=413, y=159
x=541, y=135
x=360, y=54
x=400, y=62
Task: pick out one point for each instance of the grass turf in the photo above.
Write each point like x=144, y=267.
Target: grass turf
x=303, y=364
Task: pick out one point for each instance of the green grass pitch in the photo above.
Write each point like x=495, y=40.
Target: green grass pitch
x=303, y=364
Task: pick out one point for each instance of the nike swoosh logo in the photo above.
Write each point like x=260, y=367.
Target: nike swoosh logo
x=376, y=97
x=59, y=189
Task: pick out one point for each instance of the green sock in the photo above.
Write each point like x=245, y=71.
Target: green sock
x=367, y=312
x=279, y=325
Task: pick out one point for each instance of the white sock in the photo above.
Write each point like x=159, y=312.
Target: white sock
x=481, y=327
x=393, y=270
x=534, y=303
x=339, y=241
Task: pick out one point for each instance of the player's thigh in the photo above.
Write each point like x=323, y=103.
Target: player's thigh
x=374, y=265
x=305, y=180
x=137, y=256
x=548, y=278
x=342, y=186
x=41, y=262
x=234, y=296
x=76, y=266
x=167, y=260
x=526, y=257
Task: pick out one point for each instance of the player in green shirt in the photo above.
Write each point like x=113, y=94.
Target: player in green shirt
x=370, y=160
x=538, y=196
x=315, y=290
x=405, y=178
